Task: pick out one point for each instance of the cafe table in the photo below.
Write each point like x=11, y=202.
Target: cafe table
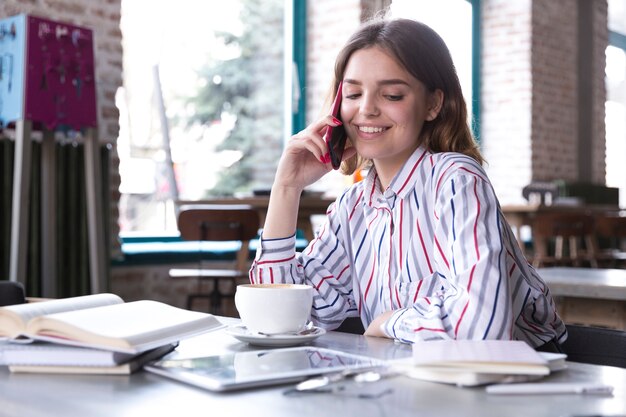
x=590, y=296
x=145, y=394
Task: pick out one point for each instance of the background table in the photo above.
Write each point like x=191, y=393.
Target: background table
x=144, y=394
x=590, y=296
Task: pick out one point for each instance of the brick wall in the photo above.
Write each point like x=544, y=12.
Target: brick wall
x=103, y=17
x=554, y=76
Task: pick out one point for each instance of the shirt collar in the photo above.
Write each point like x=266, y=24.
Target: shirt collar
x=404, y=181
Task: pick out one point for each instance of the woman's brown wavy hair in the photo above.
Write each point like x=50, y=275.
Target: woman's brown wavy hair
x=422, y=52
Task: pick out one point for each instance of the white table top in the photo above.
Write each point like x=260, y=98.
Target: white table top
x=609, y=284
x=144, y=394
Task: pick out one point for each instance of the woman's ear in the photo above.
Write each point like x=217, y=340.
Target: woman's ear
x=435, y=102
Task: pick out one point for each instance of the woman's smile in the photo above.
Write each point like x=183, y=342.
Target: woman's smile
x=371, y=129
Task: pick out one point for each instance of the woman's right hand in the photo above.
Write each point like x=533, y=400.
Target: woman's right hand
x=305, y=158
x=304, y=161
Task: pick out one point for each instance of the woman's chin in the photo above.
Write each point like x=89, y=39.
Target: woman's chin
x=367, y=151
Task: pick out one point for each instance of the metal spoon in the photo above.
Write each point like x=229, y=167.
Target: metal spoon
x=328, y=383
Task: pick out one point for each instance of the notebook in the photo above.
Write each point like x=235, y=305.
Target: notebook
x=477, y=362
x=240, y=370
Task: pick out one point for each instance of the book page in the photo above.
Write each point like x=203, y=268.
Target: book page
x=130, y=327
x=13, y=318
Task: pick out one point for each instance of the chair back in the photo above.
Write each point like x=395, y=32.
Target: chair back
x=611, y=233
x=218, y=222
x=611, y=225
x=595, y=345
x=563, y=224
x=11, y=293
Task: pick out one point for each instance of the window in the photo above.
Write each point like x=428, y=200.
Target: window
x=202, y=103
x=616, y=99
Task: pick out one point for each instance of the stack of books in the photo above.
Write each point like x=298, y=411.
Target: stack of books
x=94, y=334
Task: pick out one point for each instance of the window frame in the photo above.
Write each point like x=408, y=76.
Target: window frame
x=299, y=56
x=476, y=65
x=617, y=39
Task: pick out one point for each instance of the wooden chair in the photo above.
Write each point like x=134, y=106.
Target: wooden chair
x=595, y=345
x=217, y=223
x=562, y=238
x=611, y=233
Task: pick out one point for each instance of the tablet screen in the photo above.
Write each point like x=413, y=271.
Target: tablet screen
x=258, y=368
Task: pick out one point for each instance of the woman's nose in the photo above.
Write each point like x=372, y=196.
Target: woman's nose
x=369, y=106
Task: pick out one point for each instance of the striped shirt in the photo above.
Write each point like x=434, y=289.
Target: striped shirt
x=434, y=247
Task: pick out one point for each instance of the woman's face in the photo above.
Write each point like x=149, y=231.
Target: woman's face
x=384, y=108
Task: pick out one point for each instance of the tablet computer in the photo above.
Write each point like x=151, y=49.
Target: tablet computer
x=240, y=370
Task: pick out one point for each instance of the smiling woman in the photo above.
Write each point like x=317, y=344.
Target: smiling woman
x=419, y=249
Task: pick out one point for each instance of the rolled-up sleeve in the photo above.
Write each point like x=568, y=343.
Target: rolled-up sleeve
x=274, y=262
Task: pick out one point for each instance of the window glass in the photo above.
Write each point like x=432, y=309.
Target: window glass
x=202, y=104
x=616, y=120
x=615, y=105
x=452, y=19
x=617, y=15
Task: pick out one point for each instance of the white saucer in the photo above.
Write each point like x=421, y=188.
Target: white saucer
x=241, y=333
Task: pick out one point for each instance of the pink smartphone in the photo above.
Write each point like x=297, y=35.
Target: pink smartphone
x=335, y=137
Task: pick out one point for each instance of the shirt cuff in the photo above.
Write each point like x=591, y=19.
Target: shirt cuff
x=276, y=250
x=389, y=327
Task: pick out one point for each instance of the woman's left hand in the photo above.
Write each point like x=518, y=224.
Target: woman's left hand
x=374, y=329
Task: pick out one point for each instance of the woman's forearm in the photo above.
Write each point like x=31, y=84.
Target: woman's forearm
x=282, y=212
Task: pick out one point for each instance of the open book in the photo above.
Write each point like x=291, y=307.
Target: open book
x=103, y=321
x=474, y=362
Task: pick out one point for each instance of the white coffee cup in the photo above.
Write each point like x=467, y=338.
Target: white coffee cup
x=274, y=308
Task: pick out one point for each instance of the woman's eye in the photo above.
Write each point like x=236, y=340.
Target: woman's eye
x=352, y=96
x=392, y=97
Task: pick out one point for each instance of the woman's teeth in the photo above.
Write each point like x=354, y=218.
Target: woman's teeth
x=370, y=129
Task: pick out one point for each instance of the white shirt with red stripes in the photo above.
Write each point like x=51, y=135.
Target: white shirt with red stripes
x=434, y=247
